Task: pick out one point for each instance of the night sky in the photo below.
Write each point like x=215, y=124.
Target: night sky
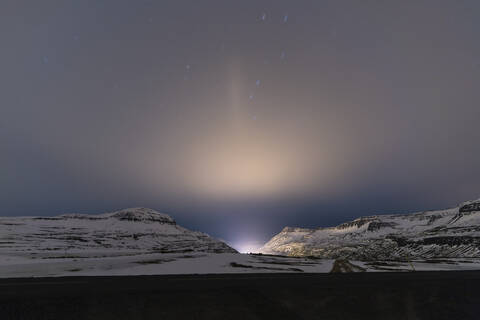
x=238, y=118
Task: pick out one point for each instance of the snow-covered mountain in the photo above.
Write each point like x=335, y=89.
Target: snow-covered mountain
x=451, y=233
x=134, y=230
x=142, y=241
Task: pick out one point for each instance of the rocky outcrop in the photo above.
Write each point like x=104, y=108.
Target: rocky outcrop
x=470, y=206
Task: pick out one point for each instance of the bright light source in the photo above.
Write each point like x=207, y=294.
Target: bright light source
x=248, y=246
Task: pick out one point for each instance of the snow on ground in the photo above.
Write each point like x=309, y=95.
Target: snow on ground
x=420, y=265
x=157, y=263
x=203, y=263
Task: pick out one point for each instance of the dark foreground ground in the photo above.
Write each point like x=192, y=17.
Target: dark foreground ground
x=416, y=295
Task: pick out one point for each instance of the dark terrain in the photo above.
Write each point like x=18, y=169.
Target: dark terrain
x=410, y=295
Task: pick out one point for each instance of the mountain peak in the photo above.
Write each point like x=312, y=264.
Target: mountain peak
x=294, y=229
x=141, y=214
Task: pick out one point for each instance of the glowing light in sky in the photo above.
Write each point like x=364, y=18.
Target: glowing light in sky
x=247, y=246
x=240, y=166
x=246, y=153
x=240, y=161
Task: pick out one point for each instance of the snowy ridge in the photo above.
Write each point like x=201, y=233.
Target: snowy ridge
x=131, y=214
x=451, y=233
x=134, y=230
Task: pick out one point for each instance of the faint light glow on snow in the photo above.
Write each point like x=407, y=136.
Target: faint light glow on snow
x=248, y=246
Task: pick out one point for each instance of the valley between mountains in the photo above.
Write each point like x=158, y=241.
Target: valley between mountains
x=141, y=241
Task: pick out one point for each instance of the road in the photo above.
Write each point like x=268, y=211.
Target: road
x=413, y=295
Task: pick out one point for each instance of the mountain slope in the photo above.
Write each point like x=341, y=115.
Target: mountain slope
x=451, y=233
x=130, y=230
